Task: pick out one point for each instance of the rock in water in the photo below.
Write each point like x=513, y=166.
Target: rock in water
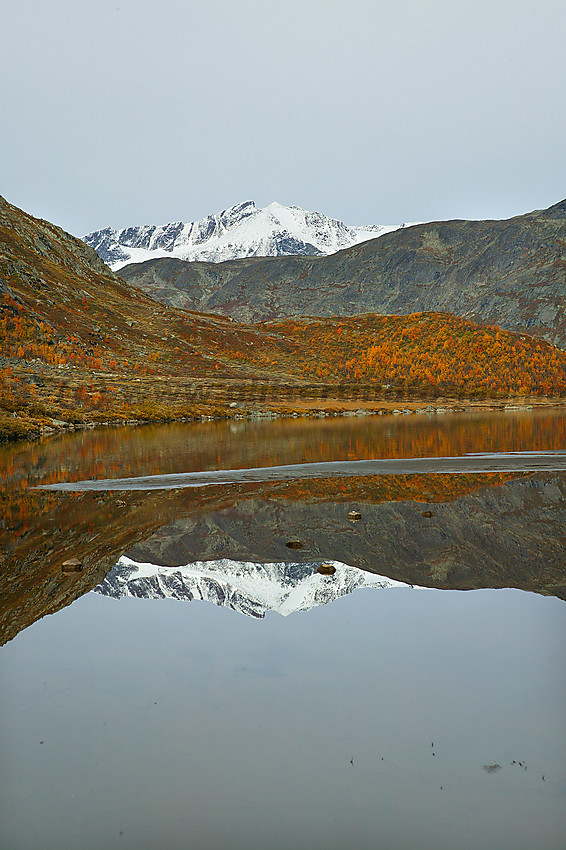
x=72, y=565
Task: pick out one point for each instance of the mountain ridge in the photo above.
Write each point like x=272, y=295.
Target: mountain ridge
x=242, y=230
x=509, y=272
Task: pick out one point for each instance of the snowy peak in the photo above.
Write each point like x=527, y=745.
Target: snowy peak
x=252, y=589
x=243, y=230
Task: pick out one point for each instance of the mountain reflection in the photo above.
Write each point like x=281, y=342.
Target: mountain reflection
x=252, y=589
x=444, y=531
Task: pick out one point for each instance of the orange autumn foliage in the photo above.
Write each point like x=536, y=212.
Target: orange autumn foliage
x=424, y=350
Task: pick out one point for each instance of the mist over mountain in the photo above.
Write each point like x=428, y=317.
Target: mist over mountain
x=511, y=273
x=239, y=231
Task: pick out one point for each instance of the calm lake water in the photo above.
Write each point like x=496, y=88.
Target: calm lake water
x=389, y=717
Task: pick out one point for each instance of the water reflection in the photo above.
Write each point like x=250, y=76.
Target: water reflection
x=154, y=450
x=137, y=724
x=466, y=465
x=512, y=534
x=250, y=588
x=495, y=529
x=399, y=720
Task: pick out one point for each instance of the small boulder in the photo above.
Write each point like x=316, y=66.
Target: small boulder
x=326, y=569
x=72, y=565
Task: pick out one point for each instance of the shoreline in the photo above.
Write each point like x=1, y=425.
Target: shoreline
x=24, y=428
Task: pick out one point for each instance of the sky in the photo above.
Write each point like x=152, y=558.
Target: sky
x=122, y=112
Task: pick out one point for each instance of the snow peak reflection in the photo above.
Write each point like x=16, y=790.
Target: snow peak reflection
x=250, y=588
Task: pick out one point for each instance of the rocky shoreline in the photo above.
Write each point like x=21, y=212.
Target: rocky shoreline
x=332, y=408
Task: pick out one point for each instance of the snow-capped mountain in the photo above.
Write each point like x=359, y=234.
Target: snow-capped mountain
x=250, y=588
x=240, y=231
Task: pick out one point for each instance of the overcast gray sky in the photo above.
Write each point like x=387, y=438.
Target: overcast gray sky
x=118, y=112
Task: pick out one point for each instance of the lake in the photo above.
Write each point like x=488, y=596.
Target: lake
x=373, y=703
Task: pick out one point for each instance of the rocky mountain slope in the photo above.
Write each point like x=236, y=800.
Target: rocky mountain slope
x=240, y=231
x=511, y=273
x=62, y=305
x=252, y=589
x=76, y=342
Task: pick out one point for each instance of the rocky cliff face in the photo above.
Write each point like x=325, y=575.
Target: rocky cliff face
x=240, y=231
x=511, y=273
